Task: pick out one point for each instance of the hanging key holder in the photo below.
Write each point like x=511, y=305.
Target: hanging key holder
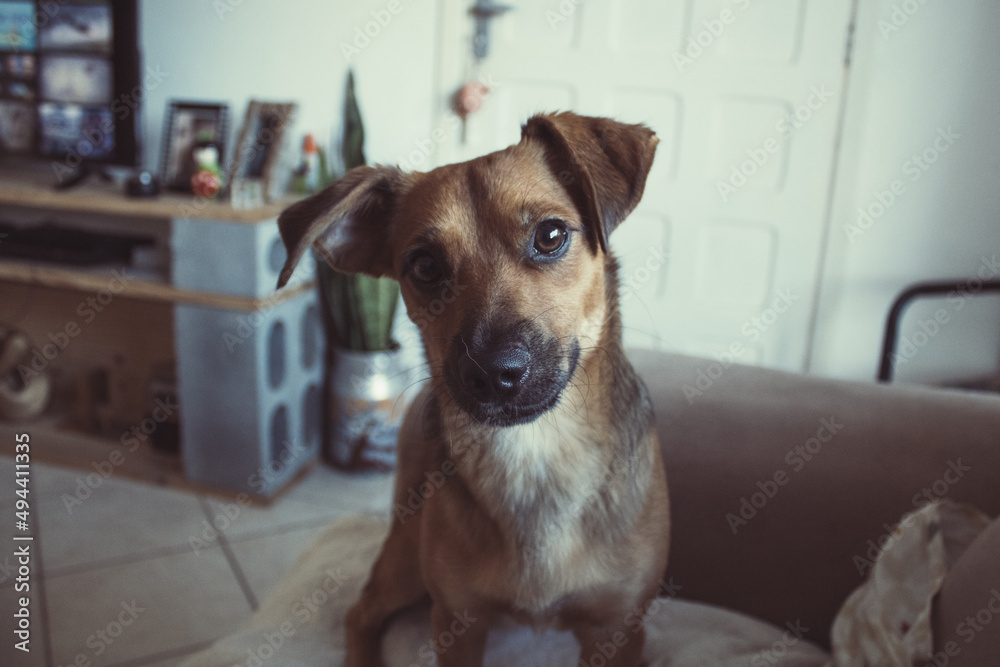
x=469, y=98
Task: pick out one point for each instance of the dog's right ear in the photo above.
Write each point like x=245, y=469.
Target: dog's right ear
x=347, y=223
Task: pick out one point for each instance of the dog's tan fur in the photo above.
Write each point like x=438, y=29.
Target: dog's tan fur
x=561, y=520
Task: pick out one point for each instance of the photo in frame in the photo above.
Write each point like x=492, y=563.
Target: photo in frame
x=258, y=150
x=189, y=126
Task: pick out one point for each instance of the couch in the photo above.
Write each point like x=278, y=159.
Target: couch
x=783, y=488
x=801, y=555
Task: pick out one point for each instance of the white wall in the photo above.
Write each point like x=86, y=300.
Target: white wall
x=235, y=50
x=938, y=71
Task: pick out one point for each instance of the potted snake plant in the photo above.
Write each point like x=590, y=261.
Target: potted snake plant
x=362, y=380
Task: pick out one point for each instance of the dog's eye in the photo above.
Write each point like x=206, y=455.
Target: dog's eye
x=550, y=237
x=425, y=268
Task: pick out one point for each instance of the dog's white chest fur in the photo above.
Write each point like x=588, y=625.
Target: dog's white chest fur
x=538, y=481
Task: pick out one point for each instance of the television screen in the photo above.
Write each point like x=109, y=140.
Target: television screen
x=63, y=67
x=17, y=126
x=81, y=28
x=17, y=66
x=79, y=79
x=70, y=127
x=17, y=26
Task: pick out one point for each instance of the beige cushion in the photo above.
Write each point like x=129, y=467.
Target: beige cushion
x=332, y=571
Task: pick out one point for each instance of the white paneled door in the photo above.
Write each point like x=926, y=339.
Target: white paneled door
x=723, y=255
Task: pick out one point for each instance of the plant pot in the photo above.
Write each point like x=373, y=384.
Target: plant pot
x=365, y=410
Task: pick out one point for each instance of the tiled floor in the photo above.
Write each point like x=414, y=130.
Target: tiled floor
x=134, y=575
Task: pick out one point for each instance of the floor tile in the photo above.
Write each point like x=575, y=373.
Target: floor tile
x=321, y=496
x=171, y=658
x=265, y=560
x=144, y=608
x=170, y=662
x=9, y=655
x=357, y=492
x=119, y=519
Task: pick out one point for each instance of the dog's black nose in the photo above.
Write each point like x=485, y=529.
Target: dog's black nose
x=495, y=375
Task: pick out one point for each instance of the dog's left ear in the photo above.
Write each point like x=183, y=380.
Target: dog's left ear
x=601, y=162
x=347, y=223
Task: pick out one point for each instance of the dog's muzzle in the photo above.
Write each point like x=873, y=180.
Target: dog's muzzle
x=510, y=380
x=495, y=376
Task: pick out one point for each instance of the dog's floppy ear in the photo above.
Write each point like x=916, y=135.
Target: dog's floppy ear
x=602, y=163
x=347, y=223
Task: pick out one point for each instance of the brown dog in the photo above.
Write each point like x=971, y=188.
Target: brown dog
x=540, y=489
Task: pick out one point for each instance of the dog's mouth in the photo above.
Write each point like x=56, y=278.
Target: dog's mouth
x=512, y=384
x=512, y=415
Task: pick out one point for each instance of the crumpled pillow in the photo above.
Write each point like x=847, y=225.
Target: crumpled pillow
x=886, y=622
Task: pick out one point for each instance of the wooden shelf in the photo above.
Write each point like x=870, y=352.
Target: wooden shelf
x=30, y=190
x=96, y=280
x=132, y=340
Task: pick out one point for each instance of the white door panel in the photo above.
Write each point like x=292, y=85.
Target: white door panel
x=731, y=228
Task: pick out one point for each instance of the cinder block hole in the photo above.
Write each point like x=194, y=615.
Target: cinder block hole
x=276, y=346
x=276, y=256
x=280, y=444
x=311, y=337
x=312, y=409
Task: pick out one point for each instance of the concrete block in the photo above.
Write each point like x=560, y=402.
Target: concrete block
x=250, y=387
x=230, y=258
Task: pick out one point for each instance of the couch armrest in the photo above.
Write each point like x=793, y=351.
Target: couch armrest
x=782, y=484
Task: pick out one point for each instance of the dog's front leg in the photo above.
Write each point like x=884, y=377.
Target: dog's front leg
x=614, y=646
x=459, y=638
x=394, y=584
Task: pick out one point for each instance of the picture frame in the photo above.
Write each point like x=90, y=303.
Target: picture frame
x=258, y=150
x=187, y=125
